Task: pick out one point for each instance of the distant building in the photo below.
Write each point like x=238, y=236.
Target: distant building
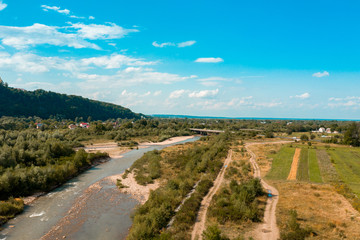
x=328, y=130
x=322, y=130
x=336, y=132
x=289, y=123
x=39, y=125
x=84, y=125
x=72, y=126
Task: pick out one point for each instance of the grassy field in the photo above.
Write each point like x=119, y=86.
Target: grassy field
x=303, y=168
x=347, y=165
x=281, y=163
x=314, y=169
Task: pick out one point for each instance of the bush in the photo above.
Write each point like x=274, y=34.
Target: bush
x=213, y=233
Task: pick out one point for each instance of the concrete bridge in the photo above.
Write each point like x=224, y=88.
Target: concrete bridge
x=205, y=131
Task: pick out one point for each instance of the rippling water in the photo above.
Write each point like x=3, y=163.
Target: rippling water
x=103, y=215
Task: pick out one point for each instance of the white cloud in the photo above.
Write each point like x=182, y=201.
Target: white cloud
x=177, y=93
x=23, y=37
x=161, y=45
x=115, y=61
x=2, y=5
x=76, y=17
x=56, y=9
x=91, y=17
x=301, y=96
x=186, y=44
x=321, y=74
x=180, y=45
x=98, y=31
x=349, y=101
x=268, y=104
x=209, y=60
x=157, y=93
x=203, y=93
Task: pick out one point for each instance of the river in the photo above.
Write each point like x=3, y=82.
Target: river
x=103, y=215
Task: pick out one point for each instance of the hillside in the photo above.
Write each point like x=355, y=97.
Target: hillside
x=18, y=102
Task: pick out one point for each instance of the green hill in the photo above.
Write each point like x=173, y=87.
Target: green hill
x=44, y=104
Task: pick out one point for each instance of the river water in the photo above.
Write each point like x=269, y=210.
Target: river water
x=73, y=212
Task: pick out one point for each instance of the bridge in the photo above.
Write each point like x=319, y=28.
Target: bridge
x=205, y=131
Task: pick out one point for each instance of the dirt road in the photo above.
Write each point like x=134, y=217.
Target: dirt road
x=268, y=230
x=294, y=165
x=199, y=226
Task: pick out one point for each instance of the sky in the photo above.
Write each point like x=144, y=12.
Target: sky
x=278, y=59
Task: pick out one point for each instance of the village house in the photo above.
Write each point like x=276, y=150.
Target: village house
x=72, y=126
x=84, y=125
x=39, y=125
x=328, y=130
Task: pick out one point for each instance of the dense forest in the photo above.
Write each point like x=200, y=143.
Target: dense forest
x=44, y=104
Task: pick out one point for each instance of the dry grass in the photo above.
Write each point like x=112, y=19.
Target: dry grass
x=262, y=152
x=328, y=213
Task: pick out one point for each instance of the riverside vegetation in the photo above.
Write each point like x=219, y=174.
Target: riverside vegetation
x=179, y=171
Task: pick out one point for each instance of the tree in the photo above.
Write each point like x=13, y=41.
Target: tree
x=352, y=135
x=304, y=138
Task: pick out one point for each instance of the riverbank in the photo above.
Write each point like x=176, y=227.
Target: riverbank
x=168, y=141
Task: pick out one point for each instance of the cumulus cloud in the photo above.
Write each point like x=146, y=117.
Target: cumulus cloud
x=161, y=45
x=186, y=44
x=99, y=31
x=321, y=74
x=203, y=93
x=157, y=93
x=28, y=62
x=2, y=5
x=115, y=61
x=349, y=101
x=209, y=60
x=301, y=96
x=180, y=45
x=23, y=37
x=268, y=104
x=56, y=9
x=177, y=93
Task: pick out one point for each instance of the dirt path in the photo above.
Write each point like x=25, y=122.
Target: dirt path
x=268, y=230
x=294, y=165
x=199, y=226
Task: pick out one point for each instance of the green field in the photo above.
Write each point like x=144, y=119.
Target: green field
x=314, y=169
x=303, y=167
x=281, y=163
x=347, y=165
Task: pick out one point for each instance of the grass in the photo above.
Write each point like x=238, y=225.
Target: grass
x=347, y=165
x=314, y=169
x=303, y=168
x=327, y=170
x=281, y=164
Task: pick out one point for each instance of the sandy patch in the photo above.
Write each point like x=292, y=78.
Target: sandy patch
x=111, y=148
x=168, y=141
x=139, y=192
x=294, y=165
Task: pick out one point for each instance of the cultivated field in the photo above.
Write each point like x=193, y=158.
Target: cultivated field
x=326, y=191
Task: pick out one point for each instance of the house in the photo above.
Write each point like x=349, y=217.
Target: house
x=328, y=130
x=336, y=132
x=72, y=126
x=322, y=130
x=289, y=123
x=39, y=125
x=84, y=125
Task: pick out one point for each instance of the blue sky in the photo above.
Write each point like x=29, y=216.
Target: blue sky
x=211, y=58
